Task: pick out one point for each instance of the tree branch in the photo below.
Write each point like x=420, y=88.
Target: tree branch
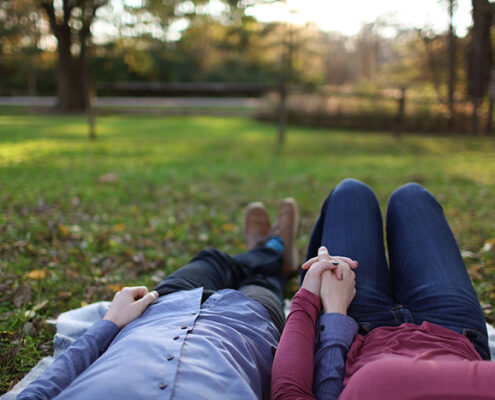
x=50, y=12
x=67, y=11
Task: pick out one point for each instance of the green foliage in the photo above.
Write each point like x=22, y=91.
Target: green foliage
x=70, y=237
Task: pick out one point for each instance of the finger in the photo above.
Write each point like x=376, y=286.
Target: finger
x=323, y=253
x=331, y=268
x=324, y=265
x=147, y=299
x=139, y=292
x=352, y=263
x=349, y=274
x=309, y=263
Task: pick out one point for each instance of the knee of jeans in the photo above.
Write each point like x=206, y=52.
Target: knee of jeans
x=208, y=253
x=409, y=192
x=352, y=186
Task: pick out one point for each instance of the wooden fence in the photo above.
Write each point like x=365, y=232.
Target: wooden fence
x=397, y=110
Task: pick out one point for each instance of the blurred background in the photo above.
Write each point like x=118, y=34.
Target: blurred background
x=415, y=66
x=134, y=132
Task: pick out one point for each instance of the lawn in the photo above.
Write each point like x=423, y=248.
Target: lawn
x=67, y=239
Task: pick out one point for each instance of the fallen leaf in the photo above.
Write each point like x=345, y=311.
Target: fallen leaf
x=22, y=295
x=64, y=231
x=108, y=178
x=119, y=228
x=468, y=254
x=39, y=306
x=489, y=245
x=113, y=243
x=36, y=274
x=229, y=228
x=64, y=295
x=115, y=287
x=27, y=329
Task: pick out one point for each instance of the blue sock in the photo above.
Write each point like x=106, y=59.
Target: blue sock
x=276, y=243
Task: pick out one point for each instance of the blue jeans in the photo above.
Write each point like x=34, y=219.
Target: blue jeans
x=426, y=280
x=256, y=273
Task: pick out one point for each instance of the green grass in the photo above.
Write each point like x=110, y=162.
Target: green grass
x=183, y=183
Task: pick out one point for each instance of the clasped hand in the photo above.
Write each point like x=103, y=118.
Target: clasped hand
x=128, y=304
x=332, y=279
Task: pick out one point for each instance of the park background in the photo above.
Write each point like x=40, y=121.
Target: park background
x=134, y=132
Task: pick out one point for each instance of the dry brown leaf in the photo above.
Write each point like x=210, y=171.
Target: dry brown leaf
x=22, y=295
x=64, y=231
x=108, y=178
x=115, y=287
x=119, y=227
x=36, y=274
x=229, y=228
x=64, y=295
x=39, y=306
x=489, y=245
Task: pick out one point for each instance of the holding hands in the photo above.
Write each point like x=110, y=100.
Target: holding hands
x=332, y=279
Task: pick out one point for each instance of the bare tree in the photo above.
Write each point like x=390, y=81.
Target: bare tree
x=427, y=37
x=285, y=78
x=479, y=57
x=452, y=46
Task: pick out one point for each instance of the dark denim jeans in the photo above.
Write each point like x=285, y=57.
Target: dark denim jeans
x=426, y=280
x=255, y=273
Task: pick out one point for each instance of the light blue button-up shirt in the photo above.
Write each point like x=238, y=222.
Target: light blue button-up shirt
x=178, y=349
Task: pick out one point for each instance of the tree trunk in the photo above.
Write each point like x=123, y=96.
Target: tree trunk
x=71, y=82
x=475, y=116
x=452, y=67
x=282, y=115
x=72, y=70
x=491, y=104
x=285, y=77
x=32, y=78
x=399, y=119
x=479, y=57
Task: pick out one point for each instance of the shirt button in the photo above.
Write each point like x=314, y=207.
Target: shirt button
x=176, y=337
x=170, y=357
x=162, y=385
x=322, y=327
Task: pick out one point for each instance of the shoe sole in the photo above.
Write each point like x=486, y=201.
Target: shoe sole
x=254, y=205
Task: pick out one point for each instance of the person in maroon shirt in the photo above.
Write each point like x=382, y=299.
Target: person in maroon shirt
x=409, y=328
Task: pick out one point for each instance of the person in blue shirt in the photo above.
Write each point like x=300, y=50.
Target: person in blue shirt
x=207, y=331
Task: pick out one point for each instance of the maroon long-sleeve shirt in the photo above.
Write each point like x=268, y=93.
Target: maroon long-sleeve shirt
x=407, y=362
